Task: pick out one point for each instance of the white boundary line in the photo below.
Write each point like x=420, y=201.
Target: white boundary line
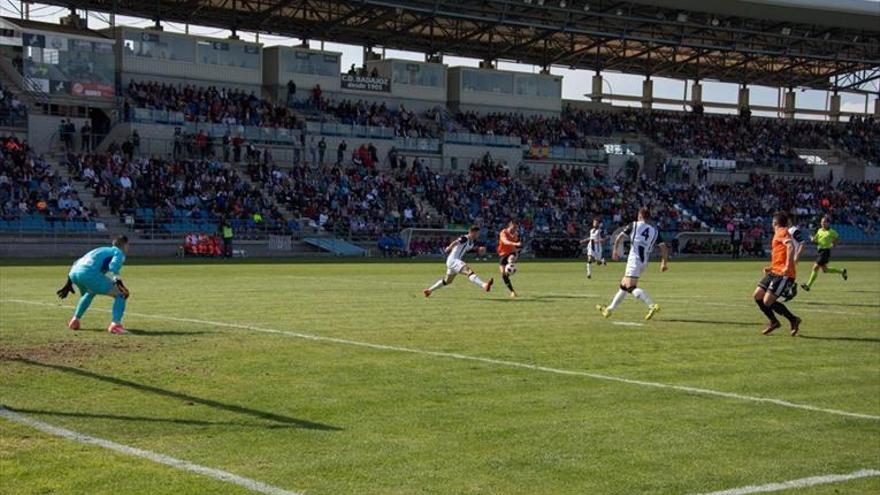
x=799, y=483
x=499, y=362
x=216, y=474
x=627, y=323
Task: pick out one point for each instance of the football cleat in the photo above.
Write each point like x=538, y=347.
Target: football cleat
x=116, y=328
x=795, y=326
x=427, y=292
x=513, y=295
x=73, y=324
x=773, y=325
x=805, y=287
x=488, y=285
x=845, y=275
x=652, y=310
x=603, y=310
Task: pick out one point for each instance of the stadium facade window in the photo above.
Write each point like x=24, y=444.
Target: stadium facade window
x=544, y=87
x=227, y=54
x=69, y=66
x=484, y=81
x=418, y=74
x=313, y=63
x=159, y=46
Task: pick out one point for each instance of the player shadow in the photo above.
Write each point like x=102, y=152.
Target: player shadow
x=164, y=333
x=709, y=322
x=853, y=305
x=841, y=339
x=270, y=416
x=118, y=417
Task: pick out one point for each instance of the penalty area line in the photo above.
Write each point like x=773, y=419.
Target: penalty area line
x=627, y=323
x=216, y=474
x=498, y=362
x=799, y=483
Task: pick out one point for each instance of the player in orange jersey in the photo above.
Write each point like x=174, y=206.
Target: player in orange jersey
x=778, y=276
x=509, y=245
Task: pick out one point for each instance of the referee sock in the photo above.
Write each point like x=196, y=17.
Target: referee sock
x=781, y=309
x=643, y=296
x=767, y=311
x=833, y=270
x=506, y=279
x=437, y=285
x=476, y=280
x=618, y=298
x=813, y=275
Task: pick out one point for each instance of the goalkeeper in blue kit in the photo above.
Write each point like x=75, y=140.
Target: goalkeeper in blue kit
x=97, y=273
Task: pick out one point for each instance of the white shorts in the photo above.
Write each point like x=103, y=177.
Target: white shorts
x=596, y=253
x=634, y=267
x=454, y=267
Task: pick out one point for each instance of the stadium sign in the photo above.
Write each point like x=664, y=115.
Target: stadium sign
x=362, y=83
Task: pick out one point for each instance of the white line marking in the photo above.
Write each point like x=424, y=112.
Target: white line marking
x=627, y=323
x=217, y=474
x=499, y=362
x=801, y=483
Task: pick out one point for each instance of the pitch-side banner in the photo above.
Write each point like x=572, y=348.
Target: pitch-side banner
x=361, y=83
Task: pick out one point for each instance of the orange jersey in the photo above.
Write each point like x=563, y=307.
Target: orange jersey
x=780, y=253
x=506, y=242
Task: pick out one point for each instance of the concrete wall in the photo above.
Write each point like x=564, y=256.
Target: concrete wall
x=43, y=132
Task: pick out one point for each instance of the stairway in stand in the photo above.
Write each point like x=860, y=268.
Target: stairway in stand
x=88, y=198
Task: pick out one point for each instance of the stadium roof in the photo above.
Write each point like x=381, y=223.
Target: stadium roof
x=780, y=43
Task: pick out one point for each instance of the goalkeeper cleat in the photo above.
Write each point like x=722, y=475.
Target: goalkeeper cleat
x=652, y=310
x=73, y=324
x=603, y=310
x=116, y=328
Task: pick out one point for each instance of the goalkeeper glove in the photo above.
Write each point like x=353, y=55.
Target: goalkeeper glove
x=66, y=290
x=122, y=288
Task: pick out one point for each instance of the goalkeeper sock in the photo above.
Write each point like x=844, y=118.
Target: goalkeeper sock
x=84, y=302
x=813, y=275
x=506, y=279
x=118, y=308
x=476, y=280
x=437, y=285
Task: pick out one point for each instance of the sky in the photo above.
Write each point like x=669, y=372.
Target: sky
x=575, y=83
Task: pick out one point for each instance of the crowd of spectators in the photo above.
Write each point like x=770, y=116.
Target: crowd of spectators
x=195, y=190
x=209, y=104
x=860, y=137
x=346, y=199
x=403, y=122
x=29, y=186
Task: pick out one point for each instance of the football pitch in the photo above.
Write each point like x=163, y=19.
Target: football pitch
x=341, y=378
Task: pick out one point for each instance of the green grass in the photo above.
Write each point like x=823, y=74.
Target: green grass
x=328, y=418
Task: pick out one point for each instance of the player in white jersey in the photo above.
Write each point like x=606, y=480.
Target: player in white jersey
x=455, y=263
x=594, y=246
x=798, y=242
x=643, y=236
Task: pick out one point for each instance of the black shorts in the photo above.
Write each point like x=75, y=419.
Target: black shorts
x=824, y=255
x=777, y=284
x=504, y=260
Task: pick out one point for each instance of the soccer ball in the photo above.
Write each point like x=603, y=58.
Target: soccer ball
x=510, y=269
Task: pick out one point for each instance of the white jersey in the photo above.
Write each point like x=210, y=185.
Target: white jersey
x=597, y=235
x=642, y=237
x=459, y=250
x=797, y=238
